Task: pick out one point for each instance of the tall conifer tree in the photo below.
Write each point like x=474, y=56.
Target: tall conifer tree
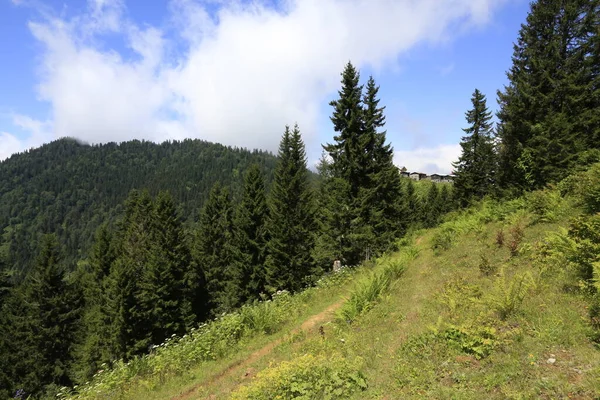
x=46, y=323
x=214, y=250
x=380, y=197
x=163, y=292
x=291, y=223
x=130, y=336
x=97, y=318
x=251, y=236
x=476, y=167
x=549, y=110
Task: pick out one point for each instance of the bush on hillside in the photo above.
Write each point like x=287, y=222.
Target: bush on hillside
x=306, y=377
x=545, y=205
x=586, y=233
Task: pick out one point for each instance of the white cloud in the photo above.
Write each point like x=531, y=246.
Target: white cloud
x=38, y=132
x=238, y=76
x=9, y=144
x=429, y=160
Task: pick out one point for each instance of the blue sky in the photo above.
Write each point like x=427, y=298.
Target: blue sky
x=237, y=72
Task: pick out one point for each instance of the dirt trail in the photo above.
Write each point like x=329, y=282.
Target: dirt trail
x=234, y=368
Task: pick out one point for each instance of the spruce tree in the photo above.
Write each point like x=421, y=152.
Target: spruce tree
x=548, y=115
x=476, y=167
x=445, y=199
x=214, y=250
x=413, y=207
x=251, y=237
x=346, y=153
x=432, y=206
x=333, y=216
x=6, y=335
x=291, y=224
x=97, y=319
x=163, y=293
x=52, y=309
x=368, y=199
x=380, y=196
x=129, y=334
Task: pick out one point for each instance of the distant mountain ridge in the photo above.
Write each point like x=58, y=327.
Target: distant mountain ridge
x=70, y=188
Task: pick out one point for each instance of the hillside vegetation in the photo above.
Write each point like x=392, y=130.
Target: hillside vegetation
x=498, y=301
x=495, y=297
x=70, y=189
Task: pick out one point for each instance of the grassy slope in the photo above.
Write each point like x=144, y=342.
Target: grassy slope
x=406, y=340
x=437, y=332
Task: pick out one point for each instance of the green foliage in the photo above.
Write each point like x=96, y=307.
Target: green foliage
x=508, y=293
x=586, y=234
x=548, y=110
x=212, y=340
x=213, y=250
x=475, y=168
x=251, y=237
x=545, y=205
x=369, y=291
x=433, y=208
x=42, y=318
x=69, y=188
x=361, y=188
x=292, y=222
x=307, y=377
x=478, y=340
x=443, y=238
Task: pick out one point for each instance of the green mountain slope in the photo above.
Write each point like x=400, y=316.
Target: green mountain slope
x=70, y=188
x=496, y=302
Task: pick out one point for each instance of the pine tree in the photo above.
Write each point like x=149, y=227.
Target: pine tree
x=333, y=216
x=46, y=323
x=412, y=204
x=346, y=152
x=95, y=348
x=432, y=206
x=445, y=199
x=476, y=167
x=291, y=224
x=251, y=237
x=6, y=335
x=548, y=114
x=129, y=334
x=381, y=193
x=214, y=250
x=163, y=293
x=368, y=199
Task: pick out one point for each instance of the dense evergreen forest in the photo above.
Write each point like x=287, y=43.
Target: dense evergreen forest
x=166, y=236
x=69, y=189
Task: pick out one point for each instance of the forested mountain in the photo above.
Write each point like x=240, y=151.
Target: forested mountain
x=69, y=188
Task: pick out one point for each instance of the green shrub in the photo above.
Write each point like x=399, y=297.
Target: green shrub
x=443, y=238
x=585, y=231
x=508, y=295
x=306, y=377
x=594, y=315
x=479, y=341
x=545, y=205
x=368, y=292
x=364, y=296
